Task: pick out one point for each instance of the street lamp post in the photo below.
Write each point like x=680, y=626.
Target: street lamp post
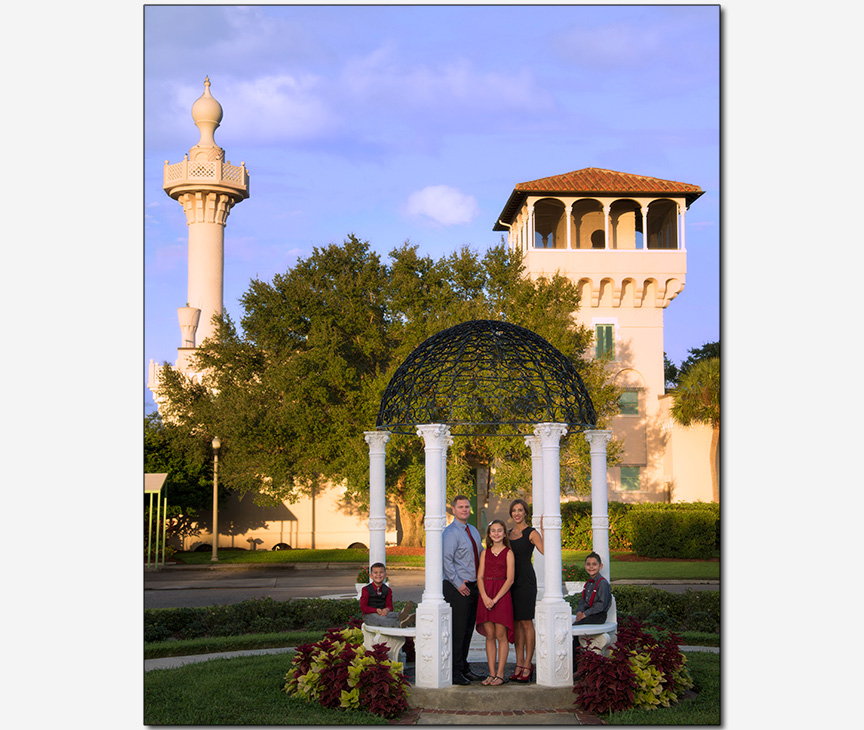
x=216, y=444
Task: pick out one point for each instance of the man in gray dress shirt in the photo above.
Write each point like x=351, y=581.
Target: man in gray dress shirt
x=462, y=546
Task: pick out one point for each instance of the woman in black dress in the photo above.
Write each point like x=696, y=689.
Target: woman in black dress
x=523, y=540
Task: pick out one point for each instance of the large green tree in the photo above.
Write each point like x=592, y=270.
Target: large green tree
x=697, y=400
x=291, y=393
x=187, y=460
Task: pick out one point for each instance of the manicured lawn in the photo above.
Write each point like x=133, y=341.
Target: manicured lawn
x=621, y=569
x=216, y=644
x=241, y=691
x=350, y=557
x=248, y=691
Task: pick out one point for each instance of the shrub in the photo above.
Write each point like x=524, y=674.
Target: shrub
x=257, y=615
x=701, y=521
x=690, y=611
x=338, y=672
x=576, y=530
x=574, y=573
x=645, y=669
x=665, y=533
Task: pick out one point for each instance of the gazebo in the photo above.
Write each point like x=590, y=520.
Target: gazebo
x=485, y=377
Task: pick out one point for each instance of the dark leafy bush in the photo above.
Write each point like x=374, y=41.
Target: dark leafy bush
x=645, y=669
x=339, y=672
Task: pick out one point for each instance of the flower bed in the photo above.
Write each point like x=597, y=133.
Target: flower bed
x=644, y=670
x=338, y=672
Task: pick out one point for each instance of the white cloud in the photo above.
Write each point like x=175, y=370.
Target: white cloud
x=442, y=204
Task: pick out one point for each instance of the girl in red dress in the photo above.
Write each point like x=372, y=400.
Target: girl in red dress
x=495, y=608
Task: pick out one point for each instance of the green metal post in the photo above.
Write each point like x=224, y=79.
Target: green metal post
x=149, y=528
x=158, y=512
x=164, y=530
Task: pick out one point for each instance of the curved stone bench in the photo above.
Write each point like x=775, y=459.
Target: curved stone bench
x=392, y=636
x=599, y=638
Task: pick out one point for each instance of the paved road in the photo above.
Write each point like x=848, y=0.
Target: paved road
x=224, y=585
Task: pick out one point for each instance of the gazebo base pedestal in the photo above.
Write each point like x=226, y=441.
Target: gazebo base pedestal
x=554, y=647
x=433, y=645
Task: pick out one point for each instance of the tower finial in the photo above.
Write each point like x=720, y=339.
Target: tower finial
x=207, y=114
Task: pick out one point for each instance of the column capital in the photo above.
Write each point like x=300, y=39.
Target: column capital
x=434, y=435
x=550, y=433
x=598, y=439
x=533, y=442
x=376, y=439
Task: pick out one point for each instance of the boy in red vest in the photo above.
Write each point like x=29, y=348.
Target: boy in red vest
x=376, y=601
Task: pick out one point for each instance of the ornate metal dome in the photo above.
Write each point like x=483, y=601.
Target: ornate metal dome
x=481, y=374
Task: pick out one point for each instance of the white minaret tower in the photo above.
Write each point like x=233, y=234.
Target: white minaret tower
x=207, y=187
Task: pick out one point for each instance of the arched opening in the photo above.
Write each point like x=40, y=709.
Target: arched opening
x=663, y=224
x=549, y=224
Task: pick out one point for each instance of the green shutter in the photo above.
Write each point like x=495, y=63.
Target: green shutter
x=603, y=336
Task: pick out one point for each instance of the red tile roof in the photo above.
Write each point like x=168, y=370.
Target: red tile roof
x=597, y=180
x=593, y=181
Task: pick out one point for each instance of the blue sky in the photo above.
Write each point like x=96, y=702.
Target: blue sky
x=364, y=119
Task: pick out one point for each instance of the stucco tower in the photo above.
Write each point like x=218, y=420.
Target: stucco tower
x=207, y=187
x=620, y=238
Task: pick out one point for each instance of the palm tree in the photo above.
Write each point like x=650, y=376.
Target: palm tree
x=697, y=400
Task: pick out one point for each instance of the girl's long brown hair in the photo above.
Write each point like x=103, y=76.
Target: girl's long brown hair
x=489, y=542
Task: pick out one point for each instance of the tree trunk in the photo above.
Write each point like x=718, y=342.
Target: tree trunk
x=413, y=529
x=714, y=456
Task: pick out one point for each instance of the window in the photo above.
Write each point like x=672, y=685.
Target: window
x=628, y=403
x=629, y=478
x=603, y=336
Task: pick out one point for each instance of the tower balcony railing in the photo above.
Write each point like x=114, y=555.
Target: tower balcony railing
x=207, y=171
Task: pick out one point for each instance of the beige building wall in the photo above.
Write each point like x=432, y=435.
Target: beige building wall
x=686, y=464
x=329, y=520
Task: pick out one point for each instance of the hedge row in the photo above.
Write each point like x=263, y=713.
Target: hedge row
x=689, y=530
x=255, y=616
x=690, y=611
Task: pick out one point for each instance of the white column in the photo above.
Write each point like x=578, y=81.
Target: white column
x=531, y=236
x=434, y=618
x=606, y=210
x=553, y=616
x=568, y=210
x=537, y=509
x=644, y=227
x=683, y=209
x=377, y=441
x=598, y=441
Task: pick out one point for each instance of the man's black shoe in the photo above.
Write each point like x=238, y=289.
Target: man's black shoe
x=460, y=679
x=473, y=676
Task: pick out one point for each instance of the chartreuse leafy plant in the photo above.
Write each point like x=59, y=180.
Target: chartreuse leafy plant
x=338, y=672
x=644, y=670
